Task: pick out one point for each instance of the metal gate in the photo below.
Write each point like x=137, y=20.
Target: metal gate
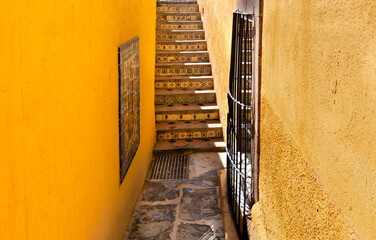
x=241, y=122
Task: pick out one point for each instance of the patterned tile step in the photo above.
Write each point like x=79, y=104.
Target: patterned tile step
x=189, y=134
x=179, y=25
x=181, y=45
x=178, y=16
x=182, y=57
x=184, y=82
x=180, y=35
x=196, y=145
x=189, y=129
x=184, y=125
x=178, y=96
x=186, y=112
x=173, y=69
x=177, y=8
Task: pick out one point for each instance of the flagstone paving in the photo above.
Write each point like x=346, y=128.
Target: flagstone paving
x=181, y=209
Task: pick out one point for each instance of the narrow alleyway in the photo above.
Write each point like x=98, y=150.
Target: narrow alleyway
x=187, y=115
x=181, y=209
x=185, y=206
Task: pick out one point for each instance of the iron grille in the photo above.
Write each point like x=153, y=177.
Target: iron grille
x=239, y=122
x=169, y=167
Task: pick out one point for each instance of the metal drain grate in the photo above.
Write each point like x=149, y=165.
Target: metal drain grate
x=169, y=167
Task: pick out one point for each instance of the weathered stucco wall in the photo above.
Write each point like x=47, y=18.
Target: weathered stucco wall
x=294, y=202
x=59, y=154
x=318, y=128
x=217, y=17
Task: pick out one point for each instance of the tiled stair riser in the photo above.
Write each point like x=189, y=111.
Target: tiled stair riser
x=177, y=8
x=179, y=26
x=184, y=84
x=185, y=99
x=182, y=70
x=179, y=17
x=192, y=134
x=182, y=58
x=186, y=116
x=163, y=35
x=184, y=46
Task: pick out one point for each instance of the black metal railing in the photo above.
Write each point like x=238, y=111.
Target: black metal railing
x=239, y=122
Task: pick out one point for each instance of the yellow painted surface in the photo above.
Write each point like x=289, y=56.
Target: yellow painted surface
x=294, y=202
x=59, y=155
x=318, y=128
x=256, y=228
x=217, y=17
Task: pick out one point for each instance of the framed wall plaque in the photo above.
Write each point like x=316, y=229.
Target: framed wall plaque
x=129, y=103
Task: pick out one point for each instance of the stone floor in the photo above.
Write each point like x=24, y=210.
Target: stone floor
x=181, y=209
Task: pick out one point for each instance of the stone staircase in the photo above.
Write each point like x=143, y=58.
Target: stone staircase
x=186, y=111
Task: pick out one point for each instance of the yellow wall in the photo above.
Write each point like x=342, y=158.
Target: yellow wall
x=217, y=17
x=59, y=163
x=318, y=128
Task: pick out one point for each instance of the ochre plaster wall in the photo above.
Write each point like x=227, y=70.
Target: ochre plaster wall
x=318, y=128
x=217, y=17
x=59, y=154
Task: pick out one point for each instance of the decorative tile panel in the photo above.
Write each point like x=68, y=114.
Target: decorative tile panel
x=129, y=103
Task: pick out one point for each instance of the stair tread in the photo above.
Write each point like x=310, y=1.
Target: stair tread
x=175, y=4
x=178, y=13
x=182, y=41
x=180, y=30
x=182, y=52
x=180, y=91
x=211, y=144
x=183, y=77
x=182, y=64
x=184, y=125
x=188, y=107
x=179, y=21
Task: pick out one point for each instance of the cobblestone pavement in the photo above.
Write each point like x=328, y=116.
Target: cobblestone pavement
x=181, y=209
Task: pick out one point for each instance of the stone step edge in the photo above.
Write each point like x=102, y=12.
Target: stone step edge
x=182, y=52
x=182, y=64
x=198, y=109
x=179, y=21
x=181, y=41
x=163, y=130
x=183, y=92
x=180, y=30
x=177, y=13
x=180, y=122
x=209, y=146
x=175, y=4
x=177, y=78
